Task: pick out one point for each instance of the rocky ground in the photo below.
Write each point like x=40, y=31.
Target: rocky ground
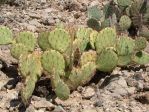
x=124, y=90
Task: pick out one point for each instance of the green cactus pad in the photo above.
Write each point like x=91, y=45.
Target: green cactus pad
x=125, y=22
x=107, y=60
x=79, y=44
x=30, y=64
x=140, y=43
x=83, y=33
x=94, y=24
x=62, y=90
x=106, y=38
x=28, y=88
x=141, y=58
x=89, y=56
x=59, y=39
x=124, y=60
x=125, y=46
x=43, y=41
x=6, y=35
x=80, y=76
x=93, y=37
x=94, y=12
x=27, y=39
x=144, y=32
x=53, y=60
x=17, y=50
x=124, y=3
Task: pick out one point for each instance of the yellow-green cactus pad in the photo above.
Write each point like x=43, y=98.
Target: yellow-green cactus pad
x=62, y=90
x=93, y=37
x=107, y=60
x=141, y=58
x=6, y=35
x=88, y=56
x=125, y=45
x=106, y=38
x=140, y=43
x=59, y=39
x=27, y=39
x=17, y=50
x=124, y=60
x=53, y=60
x=30, y=64
x=43, y=41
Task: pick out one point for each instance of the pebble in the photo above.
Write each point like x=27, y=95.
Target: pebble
x=88, y=92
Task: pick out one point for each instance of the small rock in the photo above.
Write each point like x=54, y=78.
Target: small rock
x=89, y=110
x=41, y=103
x=88, y=92
x=58, y=109
x=30, y=109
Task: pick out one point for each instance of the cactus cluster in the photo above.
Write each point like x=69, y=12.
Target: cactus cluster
x=70, y=59
x=122, y=14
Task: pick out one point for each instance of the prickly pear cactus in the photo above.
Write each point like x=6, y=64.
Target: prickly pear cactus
x=6, y=35
x=62, y=90
x=17, y=50
x=124, y=60
x=144, y=32
x=27, y=39
x=105, y=38
x=30, y=64
x=43, y=41
x=125, y=22
x=141, y=58
x=59, y=39
x=94, y=12
x=107, y=60
x=53, y=60
x=89, y=56
x=30, y=69
x=125, y=45
x=140, y=43
x=82, y=75
x=93, y=36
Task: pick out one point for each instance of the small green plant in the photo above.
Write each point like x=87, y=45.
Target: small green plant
x=70, y=59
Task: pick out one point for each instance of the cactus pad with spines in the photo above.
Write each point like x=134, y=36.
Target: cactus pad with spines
x=105, y=38
x=107, y=60
x=93, y=36
x=141, y=58
x=83, y=33
x=62, y=90
x=88, y=56
x=6, y=35
x=59, y=39
x=27, y=39
x=30, y=64
x=94, y=12
x=144, y=32
x=17, y=50
x=125, y=45
x=43, y=41
x=125, y=22
x=140, y=43
x=53, y=60
x=27, y=90
x=124, y=60
x=82, y=75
